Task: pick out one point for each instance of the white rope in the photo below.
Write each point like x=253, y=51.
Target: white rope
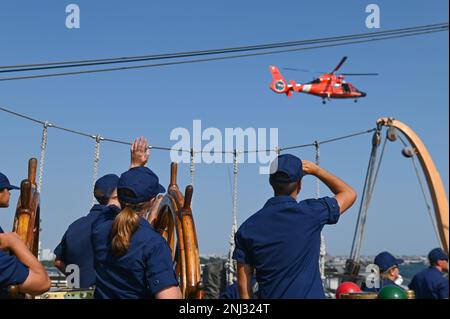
x=46, y=125
x=231, y=271
x=98, y=139
x=323, y=251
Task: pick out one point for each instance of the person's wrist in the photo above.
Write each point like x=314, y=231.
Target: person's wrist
x=134, y=165
x=13, y=243
x=317, y=171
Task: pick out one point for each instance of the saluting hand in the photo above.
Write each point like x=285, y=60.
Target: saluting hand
x=139, y=152
x=310, y=168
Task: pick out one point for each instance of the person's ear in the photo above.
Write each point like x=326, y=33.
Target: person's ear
x=151, y=202
x=393, y=270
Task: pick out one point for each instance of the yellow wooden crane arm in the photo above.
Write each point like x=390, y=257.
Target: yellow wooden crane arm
x=435, y=185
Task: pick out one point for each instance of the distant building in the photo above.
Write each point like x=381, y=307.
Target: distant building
x=46, y=254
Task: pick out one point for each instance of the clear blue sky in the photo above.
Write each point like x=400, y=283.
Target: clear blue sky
x=413, y=87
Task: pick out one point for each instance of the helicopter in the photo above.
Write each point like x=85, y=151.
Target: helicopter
x=328, y=86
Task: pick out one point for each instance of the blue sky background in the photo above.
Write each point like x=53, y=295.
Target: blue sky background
x=413, y=87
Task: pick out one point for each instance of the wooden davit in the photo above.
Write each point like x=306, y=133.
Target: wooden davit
x=434, y=182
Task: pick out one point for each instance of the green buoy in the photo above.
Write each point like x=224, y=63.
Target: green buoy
x=392, y=292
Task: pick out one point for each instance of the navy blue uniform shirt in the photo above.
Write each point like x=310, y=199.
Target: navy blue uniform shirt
x=144, y=270
x=430, y=283
x=282, y=242
x=232, y=291
x=76, y=247
x=12, y=272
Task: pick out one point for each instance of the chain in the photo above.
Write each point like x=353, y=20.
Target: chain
x=98, y=139
x=231, y=271
x=323, y=251
x=46, y=125
x=192, y=167
x=317, y=146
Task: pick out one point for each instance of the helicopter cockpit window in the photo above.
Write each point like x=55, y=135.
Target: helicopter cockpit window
x=346, y=88
x=315, y=81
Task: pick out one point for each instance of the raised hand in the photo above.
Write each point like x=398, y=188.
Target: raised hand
x=139, y=152
x=310, y=168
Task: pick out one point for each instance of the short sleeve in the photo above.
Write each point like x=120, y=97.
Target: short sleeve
x=325, y=209
x=159, y=267
x=241, y=253
x=60, y=249
x=12, y=271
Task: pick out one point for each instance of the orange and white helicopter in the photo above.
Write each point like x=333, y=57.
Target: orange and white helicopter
x=328, y=86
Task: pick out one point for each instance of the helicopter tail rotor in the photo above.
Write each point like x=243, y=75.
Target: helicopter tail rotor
x=279, y=84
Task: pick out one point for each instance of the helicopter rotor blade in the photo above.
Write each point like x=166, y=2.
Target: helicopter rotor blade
x=359, y=74
x=297, y=70
x=304, y=70
x=340, y=64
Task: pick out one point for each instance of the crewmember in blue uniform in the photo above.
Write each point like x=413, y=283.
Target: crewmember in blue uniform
x=76, y=247
x=21, y=268
x=431, y=283
x=282, y=240
x=389, y=271
x=132, y=260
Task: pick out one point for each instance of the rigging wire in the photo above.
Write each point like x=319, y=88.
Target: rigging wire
x=93, y=62
x=422, y=189
x=369, y=173
x=104, y=139
x=369, y=194
x=123, y=68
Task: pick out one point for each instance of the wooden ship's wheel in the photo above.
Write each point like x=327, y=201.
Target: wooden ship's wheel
x=175, y=222
x=27, y=218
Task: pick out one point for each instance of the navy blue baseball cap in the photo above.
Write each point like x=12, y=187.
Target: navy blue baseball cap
x=138, y=185
x=104, y=187
x=385, y=260
x=290, y=165
x=4, y=183
x=437, y=254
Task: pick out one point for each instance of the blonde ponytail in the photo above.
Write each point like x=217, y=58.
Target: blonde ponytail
x=125, y=224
